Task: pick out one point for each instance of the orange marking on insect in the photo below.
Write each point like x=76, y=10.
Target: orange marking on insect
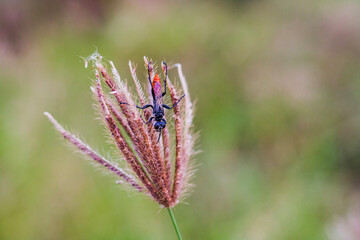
x=156, y=80
x=157, y=87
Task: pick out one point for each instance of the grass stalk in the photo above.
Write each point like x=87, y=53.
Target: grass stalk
x=174, y=223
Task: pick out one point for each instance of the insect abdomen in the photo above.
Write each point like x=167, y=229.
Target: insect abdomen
x=157, y=86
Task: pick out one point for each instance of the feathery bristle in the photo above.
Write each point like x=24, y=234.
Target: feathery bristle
x=87, y=150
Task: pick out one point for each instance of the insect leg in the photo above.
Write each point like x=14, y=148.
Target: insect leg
x=146, y=106
x=149, y=78
x=150, y=120
x=123, y=103
x=166, y=106
x=164, y=67
x=143, y=119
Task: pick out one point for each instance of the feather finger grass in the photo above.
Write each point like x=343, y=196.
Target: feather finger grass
x=158, y=169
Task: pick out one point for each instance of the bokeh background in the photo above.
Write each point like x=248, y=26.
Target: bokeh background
x=277, y=85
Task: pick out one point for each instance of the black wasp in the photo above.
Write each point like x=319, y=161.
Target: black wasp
x=157, y=94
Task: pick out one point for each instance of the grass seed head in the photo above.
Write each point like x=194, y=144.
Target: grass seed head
x=158, y=169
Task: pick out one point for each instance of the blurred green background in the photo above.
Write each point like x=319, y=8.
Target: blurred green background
x=277, y=85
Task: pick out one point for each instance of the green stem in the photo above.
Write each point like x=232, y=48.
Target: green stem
x=174, y=223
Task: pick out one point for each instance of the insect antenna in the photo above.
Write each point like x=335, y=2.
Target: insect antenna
x=159, y=136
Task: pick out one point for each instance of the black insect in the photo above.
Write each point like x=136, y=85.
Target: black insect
x=157, y=94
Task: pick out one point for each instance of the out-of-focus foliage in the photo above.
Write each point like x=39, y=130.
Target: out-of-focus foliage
x=277, y=85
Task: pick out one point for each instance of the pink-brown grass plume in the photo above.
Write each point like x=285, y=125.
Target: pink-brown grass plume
x=163, y=169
